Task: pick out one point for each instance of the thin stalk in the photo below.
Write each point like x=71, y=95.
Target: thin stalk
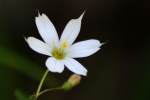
x=48, y=90
x=41, y=84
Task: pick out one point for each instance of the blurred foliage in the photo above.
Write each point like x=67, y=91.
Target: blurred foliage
x=20, y=95
x=20, y=63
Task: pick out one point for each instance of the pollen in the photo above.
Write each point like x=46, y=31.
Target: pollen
x=58, y=53
x=64, y=44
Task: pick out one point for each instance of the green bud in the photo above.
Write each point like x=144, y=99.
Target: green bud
x=73, y=81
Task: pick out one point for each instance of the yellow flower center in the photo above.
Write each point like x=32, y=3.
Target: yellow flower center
x=59, y=53
x=64, y=44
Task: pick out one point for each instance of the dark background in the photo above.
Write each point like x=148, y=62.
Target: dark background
x=119, y=71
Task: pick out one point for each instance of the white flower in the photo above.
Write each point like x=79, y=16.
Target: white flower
x=62, y=52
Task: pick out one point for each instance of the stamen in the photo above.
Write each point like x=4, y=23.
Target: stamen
x=58, y=53
x=64, y=44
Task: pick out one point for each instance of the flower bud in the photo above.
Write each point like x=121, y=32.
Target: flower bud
x=73, y=81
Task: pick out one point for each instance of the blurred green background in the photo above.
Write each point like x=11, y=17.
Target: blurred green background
x=119, y=71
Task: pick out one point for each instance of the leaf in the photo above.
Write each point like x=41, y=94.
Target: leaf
x=22, y=64
x=20, y=95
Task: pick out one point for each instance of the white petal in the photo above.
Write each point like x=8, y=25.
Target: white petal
x=47, y=30
x=75, y=66
x=71, y=30
x=38, y=46
x=54, y=65
x=85, y=53
x=84, y=48
x=87, y=44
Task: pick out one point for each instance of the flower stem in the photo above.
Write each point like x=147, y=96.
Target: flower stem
x=41, y=83
x=48, y=90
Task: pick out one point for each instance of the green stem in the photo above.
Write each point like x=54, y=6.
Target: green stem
x=41, y=83
x=48, y=90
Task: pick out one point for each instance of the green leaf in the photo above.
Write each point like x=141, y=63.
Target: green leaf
x=19, y=63
x=20, y=95
x=22, y=64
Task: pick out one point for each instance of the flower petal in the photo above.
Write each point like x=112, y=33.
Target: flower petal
x=38, y=46
x=71, y=30
x=75, y=66
x=54, y=65
x=84, y=48
x=47, y=30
